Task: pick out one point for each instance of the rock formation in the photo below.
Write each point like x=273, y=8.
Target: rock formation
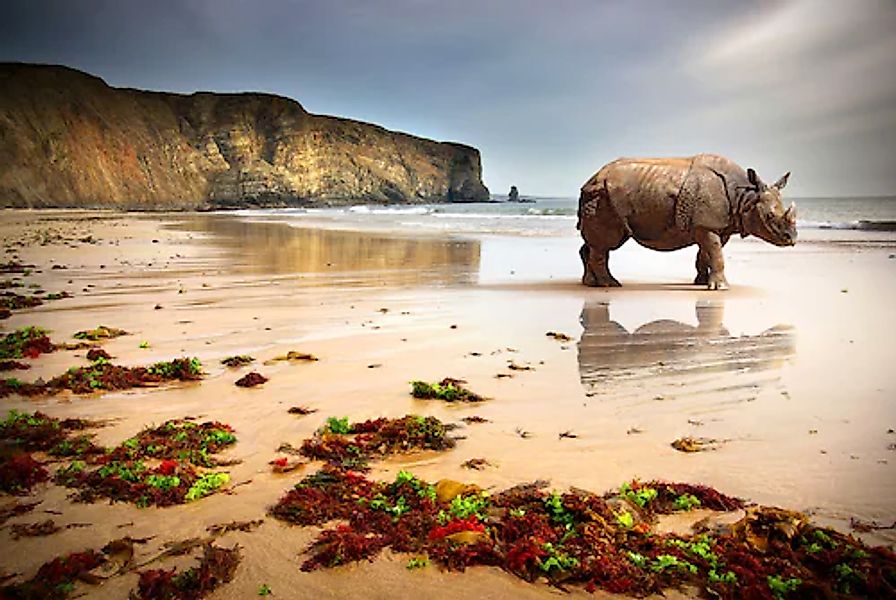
x=67, y=139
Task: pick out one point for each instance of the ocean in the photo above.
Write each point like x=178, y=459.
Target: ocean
x=873, y=218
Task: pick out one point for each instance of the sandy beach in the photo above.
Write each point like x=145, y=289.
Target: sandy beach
x=790, y=372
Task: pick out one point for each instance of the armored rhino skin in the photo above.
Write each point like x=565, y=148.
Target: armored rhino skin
x=672, y=203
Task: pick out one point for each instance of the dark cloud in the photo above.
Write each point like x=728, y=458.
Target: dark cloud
x=548, y=91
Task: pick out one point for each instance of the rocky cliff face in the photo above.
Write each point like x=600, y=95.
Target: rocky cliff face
x=69, y=140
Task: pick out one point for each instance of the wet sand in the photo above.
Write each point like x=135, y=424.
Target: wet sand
x=791, y=370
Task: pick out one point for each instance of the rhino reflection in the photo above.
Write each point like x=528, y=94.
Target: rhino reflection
x=357, y=258
x=665, y=349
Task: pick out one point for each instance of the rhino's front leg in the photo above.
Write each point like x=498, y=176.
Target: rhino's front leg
x=711, y=250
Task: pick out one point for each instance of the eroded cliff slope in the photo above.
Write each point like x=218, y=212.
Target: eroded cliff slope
x=69, y=140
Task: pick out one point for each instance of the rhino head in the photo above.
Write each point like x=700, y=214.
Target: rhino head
x=764, y=216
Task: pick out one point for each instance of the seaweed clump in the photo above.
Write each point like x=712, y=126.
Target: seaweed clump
x=449, y=390
x=216, y=567
x=100, y=333
x=56, y=578
x=237, y=361
x=353, y=445
x=21, y=434
x=123, y=473
x=580, y=538
x=27, y=342
x=103, y=375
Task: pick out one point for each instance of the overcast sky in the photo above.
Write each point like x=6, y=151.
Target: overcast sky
x=548, y=90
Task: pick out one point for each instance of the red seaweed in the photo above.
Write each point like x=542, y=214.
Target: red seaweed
x=581, y=538
x=216, y=567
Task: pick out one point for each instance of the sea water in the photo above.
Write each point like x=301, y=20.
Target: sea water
x=557, y=217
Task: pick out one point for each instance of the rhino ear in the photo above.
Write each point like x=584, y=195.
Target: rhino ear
x=753, y=178
x=783, y=181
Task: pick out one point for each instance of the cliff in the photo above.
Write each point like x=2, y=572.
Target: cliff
x=67, y=139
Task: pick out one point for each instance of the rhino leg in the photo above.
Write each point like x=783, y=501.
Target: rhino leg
x=702, y=265
x=588, y=277
x=711, y=248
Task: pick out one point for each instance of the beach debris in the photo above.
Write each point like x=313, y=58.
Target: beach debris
x=12, y=301
x=560, y=337
x=566, y=435
x=449, y=390
x=288, y=448
x=95, y=354
x=476, y=464
x=293, y=356
x=56, y=579
x=692, y=444
x=301, y=410
x=867, y=526
x=177, y=446
x=15, y=509
x=39, y=529
x=475, y=419
x=244, y=526
x=27, y=342
x=634, y=431
x=15, y=267
x=102, y=375
x=102, y=332
x=251, y=379
x=522, y=433
x=11, y=365
x=284, y=465
x=353, y=445
x=514, y=366
x=19, y=472
x=695, y=422
x=504, y=376
x=580, y=538
x=240, y=360
x=216, y=567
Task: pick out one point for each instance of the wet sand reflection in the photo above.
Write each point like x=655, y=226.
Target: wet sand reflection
x=687, y=358
x=345, y=257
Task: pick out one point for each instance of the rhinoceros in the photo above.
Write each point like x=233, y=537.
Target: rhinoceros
x=671, y=203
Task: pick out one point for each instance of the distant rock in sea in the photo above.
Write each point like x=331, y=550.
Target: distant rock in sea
x=67, y=139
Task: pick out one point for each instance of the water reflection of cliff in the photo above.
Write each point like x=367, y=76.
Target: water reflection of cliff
x=357, y=258
x=676, y=355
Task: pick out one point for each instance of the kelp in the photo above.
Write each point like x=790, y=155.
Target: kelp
x=27, y=342
x=449, y=390
x=13, y=301
x=55, y=579
x=102, y=375
x=354, y=444
x=216, y=567
x=19, y=472
x=580, y=538
x=237, y=361
x=13, y=365
x=102, y=332
x=691, y=444
x=251, y=380
x=123, y=473
x=15, y=509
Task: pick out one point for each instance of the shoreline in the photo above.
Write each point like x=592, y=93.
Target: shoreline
x=702, y=352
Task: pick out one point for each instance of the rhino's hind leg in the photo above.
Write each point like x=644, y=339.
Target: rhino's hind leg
x=702, y=265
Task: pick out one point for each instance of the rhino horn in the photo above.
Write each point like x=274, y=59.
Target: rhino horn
x=790, y=214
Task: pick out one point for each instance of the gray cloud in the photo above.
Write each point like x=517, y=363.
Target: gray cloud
x=548, y=91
